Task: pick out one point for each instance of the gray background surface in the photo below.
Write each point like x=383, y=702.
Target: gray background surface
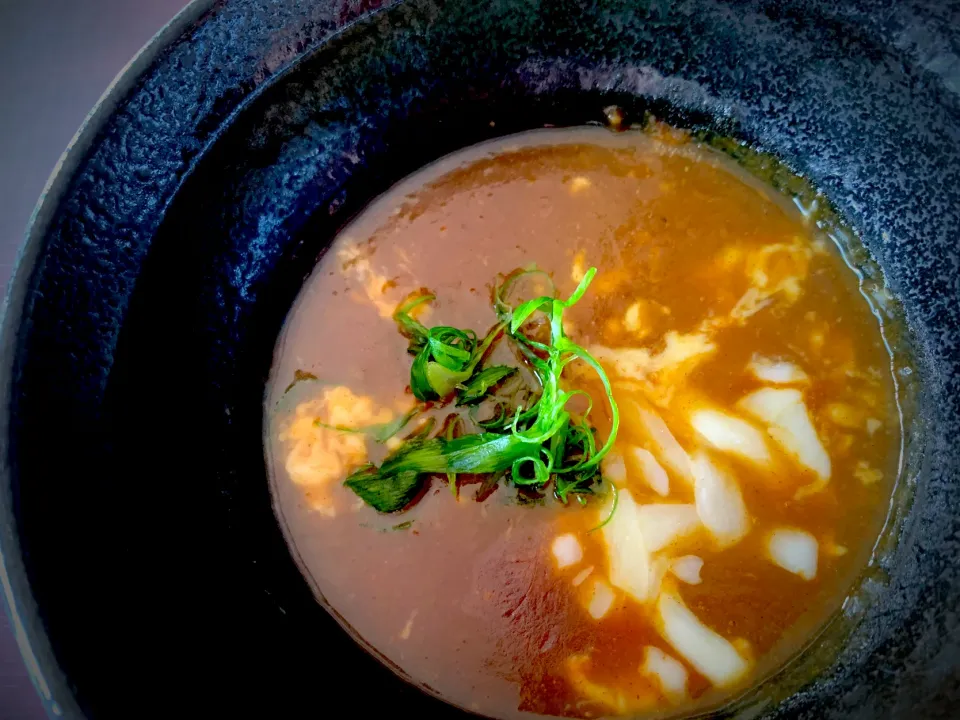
x=56, y=59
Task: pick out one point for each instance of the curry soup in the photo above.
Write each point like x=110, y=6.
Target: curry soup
x=755, y=444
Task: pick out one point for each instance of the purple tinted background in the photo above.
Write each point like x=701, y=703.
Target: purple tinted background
x=56, y=59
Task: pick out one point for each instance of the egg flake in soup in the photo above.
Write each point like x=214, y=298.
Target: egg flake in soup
x=319, y=454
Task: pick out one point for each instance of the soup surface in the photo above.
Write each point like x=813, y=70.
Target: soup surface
x=757, y=442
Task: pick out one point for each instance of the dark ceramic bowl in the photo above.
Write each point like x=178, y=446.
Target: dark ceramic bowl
x=142, y=564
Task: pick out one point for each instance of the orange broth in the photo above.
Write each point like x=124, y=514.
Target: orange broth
x=467, y=598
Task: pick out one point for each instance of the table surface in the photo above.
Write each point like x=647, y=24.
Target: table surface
x=58, y=56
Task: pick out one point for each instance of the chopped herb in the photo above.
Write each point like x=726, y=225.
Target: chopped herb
x=387, y=430
x=423, y=430
x=298, y=377
x=613, y=509
x=452, y=422
x=401, y=526
x=488, y=485
x=444, y=357
x=474, y=389
x=480, y=453
x=381, y=432
x=501, y=293
x=386, y=493
x=498, y=409
x=530, y=446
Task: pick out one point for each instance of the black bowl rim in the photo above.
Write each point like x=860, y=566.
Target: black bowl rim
x=48, y=680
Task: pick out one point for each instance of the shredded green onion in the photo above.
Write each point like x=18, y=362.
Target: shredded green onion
x=380, y=433
x=444, y=357
x=613, y=509
x=533, y=446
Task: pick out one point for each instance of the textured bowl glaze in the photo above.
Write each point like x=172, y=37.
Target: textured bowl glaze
x=140, y=548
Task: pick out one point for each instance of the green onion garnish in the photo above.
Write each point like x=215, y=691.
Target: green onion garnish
x=530, y=446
